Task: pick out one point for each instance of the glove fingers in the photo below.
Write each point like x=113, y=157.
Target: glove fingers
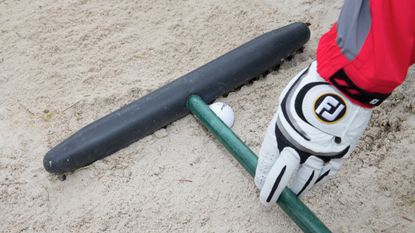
x=330, y=169
x=268, y=154
x=307, y=175
x=279, y=175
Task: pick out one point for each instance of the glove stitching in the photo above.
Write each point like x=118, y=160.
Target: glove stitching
x=306, y=184
x=322, y=176
x=277, y=182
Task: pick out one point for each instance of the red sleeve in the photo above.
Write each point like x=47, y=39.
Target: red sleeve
x=413, y=54
x=373, y=42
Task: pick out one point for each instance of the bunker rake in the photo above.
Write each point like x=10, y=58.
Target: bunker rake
x=190, y=93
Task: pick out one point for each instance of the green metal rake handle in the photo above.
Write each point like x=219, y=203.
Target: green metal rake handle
x=288, y=201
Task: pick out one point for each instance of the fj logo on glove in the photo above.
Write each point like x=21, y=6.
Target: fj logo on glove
x=330, y=108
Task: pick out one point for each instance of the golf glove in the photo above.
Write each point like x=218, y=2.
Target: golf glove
x=314, y=130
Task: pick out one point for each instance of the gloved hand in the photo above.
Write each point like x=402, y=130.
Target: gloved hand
x=314, y=130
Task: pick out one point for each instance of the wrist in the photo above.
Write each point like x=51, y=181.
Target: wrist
x=342, y=82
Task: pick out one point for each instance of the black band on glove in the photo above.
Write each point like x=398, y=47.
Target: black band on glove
x=342, y=82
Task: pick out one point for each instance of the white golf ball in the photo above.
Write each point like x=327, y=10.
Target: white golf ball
x=224, y=112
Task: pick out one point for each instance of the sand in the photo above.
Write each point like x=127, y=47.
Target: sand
x=64, y=64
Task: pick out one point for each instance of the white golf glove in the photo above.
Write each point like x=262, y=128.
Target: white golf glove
x=314, y=130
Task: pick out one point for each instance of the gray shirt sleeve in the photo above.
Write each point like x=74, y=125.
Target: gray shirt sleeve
x=353, y=26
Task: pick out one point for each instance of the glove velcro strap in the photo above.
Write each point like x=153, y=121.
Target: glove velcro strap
x=343, y=83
